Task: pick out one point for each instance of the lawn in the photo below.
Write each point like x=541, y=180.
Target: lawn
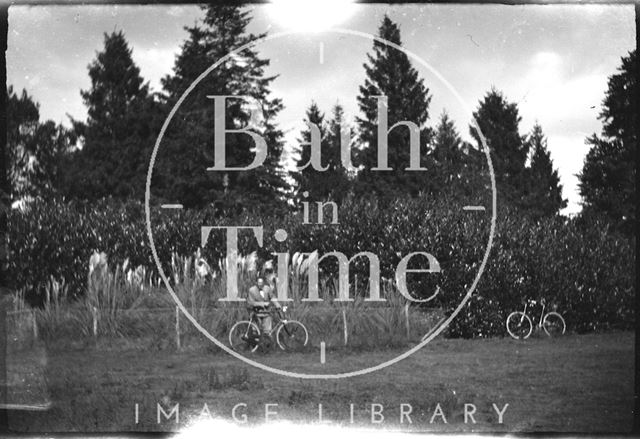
x=576, y=383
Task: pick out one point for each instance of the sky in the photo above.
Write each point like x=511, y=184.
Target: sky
x=552, y=60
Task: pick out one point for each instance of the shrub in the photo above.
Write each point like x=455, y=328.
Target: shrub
x=580, y=266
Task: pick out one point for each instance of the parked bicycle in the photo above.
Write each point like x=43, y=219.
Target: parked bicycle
x=247, y=335
x=519, y=325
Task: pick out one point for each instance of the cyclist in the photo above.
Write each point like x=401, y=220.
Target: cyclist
x=261, y=297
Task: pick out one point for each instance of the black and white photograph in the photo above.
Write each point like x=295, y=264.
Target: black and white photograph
x=322, y=217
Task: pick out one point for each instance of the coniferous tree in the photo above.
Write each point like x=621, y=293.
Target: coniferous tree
x=309, y=179
x=607, y=179
x=332, y=182
x=36, y=150
x=181, y=174
x=447, y=154
x=337, y=177
x=460, y=173
x=119, y=129
x=499, y=122
x=544, y=196
x=390, y=73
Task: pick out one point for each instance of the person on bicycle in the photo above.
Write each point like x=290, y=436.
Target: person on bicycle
x=261, y=297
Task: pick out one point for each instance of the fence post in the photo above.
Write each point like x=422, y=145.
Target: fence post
x=344, y=322
x=178, y=327
x=94, y=313
x=35, y=325
x=406, y=319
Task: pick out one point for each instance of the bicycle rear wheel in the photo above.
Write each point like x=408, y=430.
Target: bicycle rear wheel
x=553, y=324
x=244, y=336
x=292, y=336
x=519, y=325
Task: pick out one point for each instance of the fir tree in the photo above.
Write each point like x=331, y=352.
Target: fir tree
x=447, y=153
x=390, y=73
x=607, y=180
x=545, y=191
x=183, y=160
x=460, y=173
x=332, y=182
x=119, y=129
x=499, y=122
x=310, y=180
x=337, y=176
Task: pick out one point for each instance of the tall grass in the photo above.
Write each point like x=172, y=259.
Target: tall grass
x=123, y=305
x=368, y=325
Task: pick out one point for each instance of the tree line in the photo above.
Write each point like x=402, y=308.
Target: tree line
x=107, y=154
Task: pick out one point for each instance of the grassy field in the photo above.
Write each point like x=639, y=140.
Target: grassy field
x=577, y=383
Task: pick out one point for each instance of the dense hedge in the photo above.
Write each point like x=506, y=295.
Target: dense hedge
x=583, y=268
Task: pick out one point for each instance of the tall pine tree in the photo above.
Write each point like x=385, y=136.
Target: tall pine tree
x=390, y=73
x=447, y=154
x=309, y=179
x=181, y=171
x=332, y=182
x=459, y=172
x=338, y=177
x=544, y=197
x=499, y=122
x=119, y=130
x=607, y=180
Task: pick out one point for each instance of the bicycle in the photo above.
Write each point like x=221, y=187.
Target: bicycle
x=246, y=335
x=519, y=325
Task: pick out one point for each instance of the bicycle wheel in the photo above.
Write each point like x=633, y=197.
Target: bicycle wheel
x=244, y=336
x=292, y=336
x=519, y=325
x=553, y=324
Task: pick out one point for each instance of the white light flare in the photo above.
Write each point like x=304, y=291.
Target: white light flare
x=310, y=15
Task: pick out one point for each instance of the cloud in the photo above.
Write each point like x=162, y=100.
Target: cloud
x=155, y=63
x=566, y=103
x=567, y=153
x=562, y=102
x=176, y=11
x=552, y=60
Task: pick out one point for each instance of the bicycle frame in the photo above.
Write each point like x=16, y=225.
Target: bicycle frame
x=278, y=321
x=524, y=312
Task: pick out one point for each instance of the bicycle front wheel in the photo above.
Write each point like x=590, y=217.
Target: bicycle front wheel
x=292, y=336
x=553, y=324
x=519, y=325
x=244, y=336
